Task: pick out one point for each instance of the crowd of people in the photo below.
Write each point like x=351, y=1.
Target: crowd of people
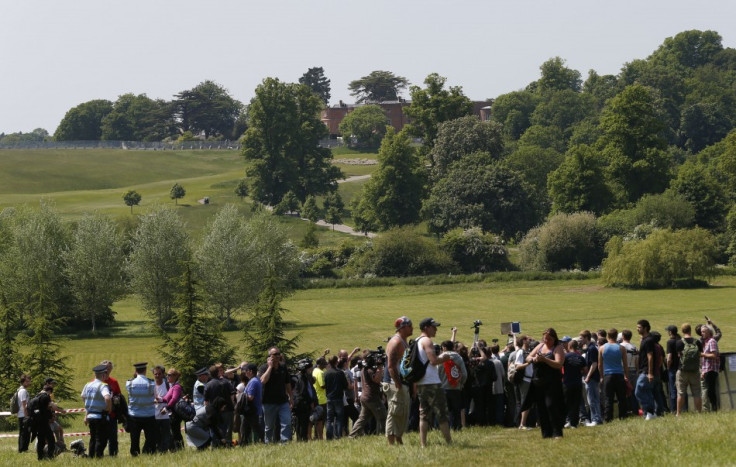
x=556, y=383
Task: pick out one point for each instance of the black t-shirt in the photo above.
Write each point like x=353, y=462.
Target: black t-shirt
x=647, y=346
x=219, y=387
x=274, y=391
x=335, y=384
x=672, y=349
x=574, y=364
x=591, y=357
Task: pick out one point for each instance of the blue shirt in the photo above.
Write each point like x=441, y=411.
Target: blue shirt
x=141, y=394
x=93, y=396
x=612, y=361
x=255, y=388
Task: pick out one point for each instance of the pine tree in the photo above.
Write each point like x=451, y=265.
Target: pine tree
x=9, y=371
x=199, y=340
x=265, y=327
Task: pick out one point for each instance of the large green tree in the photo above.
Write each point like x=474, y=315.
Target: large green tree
x=367, y=124
x=207, y=108
x=138, y=118
x=160, y=247
x=557, y=77
x=514, y=111
x=378, y=86
x=481, y=192
x=579, y=183
x=433, y=105
x=461, y=136
x=317, y=81
x=83, y=122
x=94, y=265
x=281, y=144
x=393, y=195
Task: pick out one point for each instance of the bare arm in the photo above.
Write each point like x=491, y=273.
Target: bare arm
x=431, y=356
x=625, y=359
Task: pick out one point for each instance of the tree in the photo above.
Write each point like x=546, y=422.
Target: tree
x=242, y=189
x=31, y=261
x=94, y=264
x=461, y=136
x=475, y=251
x=310, y=210
x=378, y=86
x=557, y=77
x=138, y=118
x=177, y=192
x=578, y=184
x=434, y=105
x=393, y=195
x=367, y=124
x=333, y=207
x=282, y=144
x=514, y=111
x=665, y=258
x=289, y=204
x=207, y=108
x=83, y=122
x=199, y=340
x=534, y=164
x=131, y=198
x=9, y=355
x=317, y=81
x=159, y=251
x=565, y=241
x=265, y=328
x=699, y=187
x=631, y=126
x=229, y=243
x=480, y=192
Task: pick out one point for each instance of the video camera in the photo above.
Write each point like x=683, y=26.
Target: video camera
x=303, y=364
x=374, y=359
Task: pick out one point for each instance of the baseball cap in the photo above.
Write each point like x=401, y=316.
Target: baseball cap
x=402, y=322
x=428, y=322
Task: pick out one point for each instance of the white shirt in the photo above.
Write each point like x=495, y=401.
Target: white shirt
x=22, y=396
x=431, y=376
x=160, y=393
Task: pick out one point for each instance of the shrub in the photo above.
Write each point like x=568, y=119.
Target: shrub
x=667, y=210
x=665, y=258
x=565, y=241
x=475, y=251
x=402, y=252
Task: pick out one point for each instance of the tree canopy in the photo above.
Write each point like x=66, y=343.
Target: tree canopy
x=378, y=86
x=317, y=81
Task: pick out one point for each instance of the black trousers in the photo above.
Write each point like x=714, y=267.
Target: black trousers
x=45, y=438
x=148, y=425
x=711, y=378
x=24, y=433
x=573, y=397
x=99, y=431
x=615, y=385
x=551, y=408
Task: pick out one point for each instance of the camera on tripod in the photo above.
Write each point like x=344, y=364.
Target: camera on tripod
x=373, y=359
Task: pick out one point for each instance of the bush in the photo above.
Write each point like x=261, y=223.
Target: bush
x=665, y=258
x=565, y=241
x=668, y=210
x=475, y=251
x=402, y=252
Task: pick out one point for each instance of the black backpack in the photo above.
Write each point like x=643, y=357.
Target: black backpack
x=184, y=410
x=411, y=367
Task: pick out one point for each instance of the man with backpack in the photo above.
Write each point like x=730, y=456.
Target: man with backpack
x=453, y=374
x=397, y=394
x=688, y=374
x=429, y=391
x=24, y=420
x=40, y=409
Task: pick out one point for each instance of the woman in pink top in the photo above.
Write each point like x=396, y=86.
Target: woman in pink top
x=173, y=395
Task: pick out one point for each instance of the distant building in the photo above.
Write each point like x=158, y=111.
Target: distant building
x=394, y=110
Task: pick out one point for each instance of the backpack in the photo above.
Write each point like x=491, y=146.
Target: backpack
x=690, y=359
x=411, y=367
x=184, y=410
x=453, y=373
x=241, y=404
x=14, y=403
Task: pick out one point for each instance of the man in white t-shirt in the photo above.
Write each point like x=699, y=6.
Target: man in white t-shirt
x=24, y=422
x=429, y=389
x=163, y=422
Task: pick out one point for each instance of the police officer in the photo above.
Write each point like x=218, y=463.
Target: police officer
x=98, y=403
x=141, y=411
x=203, y=375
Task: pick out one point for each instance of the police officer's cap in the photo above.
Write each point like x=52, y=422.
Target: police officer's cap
x=140, y=366
x=100, y=369
x=202, y=371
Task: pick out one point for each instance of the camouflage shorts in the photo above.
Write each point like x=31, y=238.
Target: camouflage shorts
x=432, y=398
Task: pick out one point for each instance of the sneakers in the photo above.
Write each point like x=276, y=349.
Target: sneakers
x=525, y=428
x=567, y=425
x=650, y=416
x=592, y=424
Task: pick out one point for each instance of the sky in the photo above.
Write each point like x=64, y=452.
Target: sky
x=55, y=55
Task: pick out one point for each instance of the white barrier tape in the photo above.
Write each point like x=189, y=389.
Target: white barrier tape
x=65, y=434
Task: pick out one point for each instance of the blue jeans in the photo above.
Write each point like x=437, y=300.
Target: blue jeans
x=645, y=394
x=594, y=400
x=672, y=389
x=270, y=412
x=335, y=414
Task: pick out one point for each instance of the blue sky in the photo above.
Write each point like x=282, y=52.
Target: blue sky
x=56, y=55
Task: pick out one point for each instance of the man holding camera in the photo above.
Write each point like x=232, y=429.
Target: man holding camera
x=371, y=405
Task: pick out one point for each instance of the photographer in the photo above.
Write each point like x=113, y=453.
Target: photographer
x=371, y=405
x=484, y=374
x=305, y=399
x=453, y=375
